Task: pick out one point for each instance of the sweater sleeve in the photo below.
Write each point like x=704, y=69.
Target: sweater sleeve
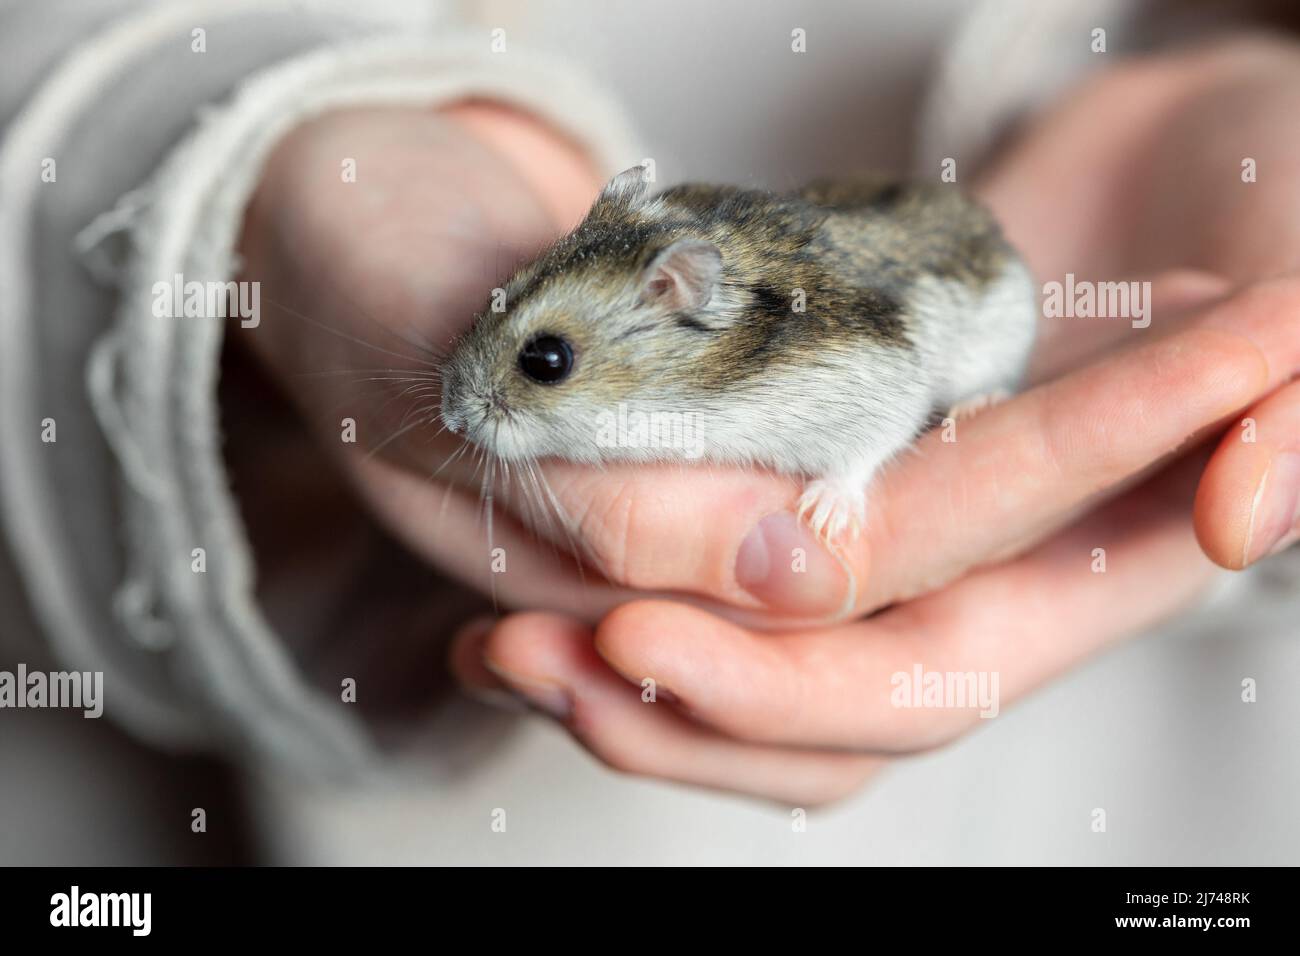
x=130, y=149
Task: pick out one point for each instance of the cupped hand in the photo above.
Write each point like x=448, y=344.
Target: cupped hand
x=805, y=715
x=368, y=280
x=1219, y=113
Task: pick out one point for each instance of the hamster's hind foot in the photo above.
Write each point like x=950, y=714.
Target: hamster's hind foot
x=834, y=507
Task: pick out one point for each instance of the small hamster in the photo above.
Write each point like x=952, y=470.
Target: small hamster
x=815, y=333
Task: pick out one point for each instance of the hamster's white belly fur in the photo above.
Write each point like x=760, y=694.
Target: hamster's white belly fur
x=839, y=421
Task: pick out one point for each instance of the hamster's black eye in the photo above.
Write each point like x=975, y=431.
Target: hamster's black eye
x=547, y=359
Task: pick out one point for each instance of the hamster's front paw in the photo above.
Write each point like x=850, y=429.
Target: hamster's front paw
x=834, y=506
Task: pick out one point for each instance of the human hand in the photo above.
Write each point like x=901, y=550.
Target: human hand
x=684, y=532
x=804, y=716
x=1188, y=159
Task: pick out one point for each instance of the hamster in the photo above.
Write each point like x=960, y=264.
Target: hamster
x=815, y=333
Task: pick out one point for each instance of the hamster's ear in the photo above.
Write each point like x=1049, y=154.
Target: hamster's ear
x=683, y=276
x=626, y=189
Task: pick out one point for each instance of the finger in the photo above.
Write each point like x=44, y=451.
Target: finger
x=1065, y=344
x=465, y=660
x=548, y=661
x=1014, y=474
x=1012, y=627
x=1248, y=503
x=1020, y=471
x=447, y=527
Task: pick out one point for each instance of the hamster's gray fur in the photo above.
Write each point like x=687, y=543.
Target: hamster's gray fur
x=815, y=333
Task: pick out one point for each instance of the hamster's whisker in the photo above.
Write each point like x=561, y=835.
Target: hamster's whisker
x=414, y=393
x=350, y=338
x=401, y=430
x=417, y=342
x=413, y=384
x=381, y=374
x=561, y=519
x=538, y=516
x=451, y=486
x=454, y=456
x=476, y=456
x=489, y=476
x=441, y=428
x=418, y=390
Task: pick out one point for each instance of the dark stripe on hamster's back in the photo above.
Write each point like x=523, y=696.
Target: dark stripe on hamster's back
x=610, y=245
x=862, y=192
x=882, y=311
x=769, y=301
x=685, y=320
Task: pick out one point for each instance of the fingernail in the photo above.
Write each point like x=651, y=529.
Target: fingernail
x=782, y=564
x=551, y=699
x=1275, y=514
x=474, y=629
x=500, y=699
